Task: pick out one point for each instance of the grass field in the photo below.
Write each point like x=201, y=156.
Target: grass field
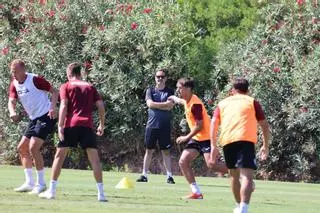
x=77, y=193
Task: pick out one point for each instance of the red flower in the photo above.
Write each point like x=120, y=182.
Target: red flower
x=264, y=41
x=147, y=10
x=5, y=50
x=102, y=28
x=303, y=109
x=43, y=2
x=1, y=6
x=210, y=101
x=51, y=13
x=63, y=17
x=314, y=20
x=276, y=69
x=84, y=29
x=62, y=2
x=129, y=8
x=300, y=2
x=24, y=30
x=21, y=9
x=87, y=64
x=109, y=12
x=134, y=26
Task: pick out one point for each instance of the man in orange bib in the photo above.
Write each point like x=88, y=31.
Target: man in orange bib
x=238, y=117
x=198, y=139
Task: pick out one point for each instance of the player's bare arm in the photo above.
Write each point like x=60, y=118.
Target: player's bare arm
x=264, y=151
x=101, y=110
x=54, y=99
x=213, y=136
x=62, y=116
x=193, y=132
x=12, y=103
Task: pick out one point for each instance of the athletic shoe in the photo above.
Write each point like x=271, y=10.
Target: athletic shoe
x=102, y=198
x=194, y=196
x=38, y=189
x=170, y=180
x=236, y=210
x=24, y=188
x=142, y=179
x=47, y=195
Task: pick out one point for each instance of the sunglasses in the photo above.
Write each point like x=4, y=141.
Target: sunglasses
x=160, y=76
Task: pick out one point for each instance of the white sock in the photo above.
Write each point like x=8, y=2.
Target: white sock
x=144, y=173
x=237, y=205
x=169, y=174
x=195, y=188
x=28, y=176
x=100, y=188
x=244, y=207
x=53, y=186
x=40, y=177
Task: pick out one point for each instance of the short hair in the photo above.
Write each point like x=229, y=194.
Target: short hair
x=162, y=70
x=241, y=84
x=74, y=69
x=186, y=82
x=17, y=62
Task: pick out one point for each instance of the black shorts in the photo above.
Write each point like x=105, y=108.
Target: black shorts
x=40, y=127
x=162, y=136
x=240, y=154
x=201, y=146
x=84, y=136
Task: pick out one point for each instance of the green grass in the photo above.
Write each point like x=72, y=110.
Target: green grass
x=77, y=193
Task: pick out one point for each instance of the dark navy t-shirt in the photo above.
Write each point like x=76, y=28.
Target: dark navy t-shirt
x=159, y=119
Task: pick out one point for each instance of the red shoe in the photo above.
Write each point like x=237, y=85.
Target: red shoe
x=194, y=196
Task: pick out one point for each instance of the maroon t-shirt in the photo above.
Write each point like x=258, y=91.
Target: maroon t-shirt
x=81, y=98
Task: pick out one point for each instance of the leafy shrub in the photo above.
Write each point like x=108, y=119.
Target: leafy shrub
x=281, y=61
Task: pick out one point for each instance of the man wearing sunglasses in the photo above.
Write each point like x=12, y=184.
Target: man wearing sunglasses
x=158, y=127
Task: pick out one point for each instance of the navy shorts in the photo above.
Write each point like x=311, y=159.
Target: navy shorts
x=73, y=136
x=201, y=146
x=240, y=154
x=162, y=136
x=40, y=127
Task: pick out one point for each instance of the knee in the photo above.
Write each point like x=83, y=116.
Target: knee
x=33, y=150
x=22, y=149
x=183, y=162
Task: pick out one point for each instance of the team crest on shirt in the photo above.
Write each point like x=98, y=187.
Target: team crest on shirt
x=22, y=91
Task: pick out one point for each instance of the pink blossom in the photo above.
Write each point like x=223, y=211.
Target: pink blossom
x=87, y=64
x=5, y=50
x=276, y=69
x=134, y=26
x=300, y=2
x=147, y=10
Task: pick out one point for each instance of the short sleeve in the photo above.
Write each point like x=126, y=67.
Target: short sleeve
x=96, y=95
x=148, y=94
x=196, y=111
x=41, y=83
x=12, y=91
x=259, y=111
x=63, y=92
